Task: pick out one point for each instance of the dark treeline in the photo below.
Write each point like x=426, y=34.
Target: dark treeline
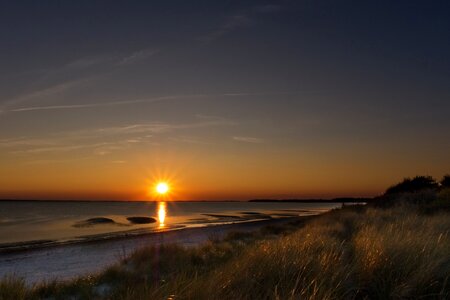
x=334, y=200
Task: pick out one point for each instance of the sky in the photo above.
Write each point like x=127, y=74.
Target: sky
x=222, y=99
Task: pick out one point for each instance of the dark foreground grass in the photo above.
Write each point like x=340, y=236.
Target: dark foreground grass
x=351, y=253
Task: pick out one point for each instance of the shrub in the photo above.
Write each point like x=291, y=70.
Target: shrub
x=416, y=184
x=445, y=182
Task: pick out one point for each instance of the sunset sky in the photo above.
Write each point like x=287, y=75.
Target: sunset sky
x=223, y=99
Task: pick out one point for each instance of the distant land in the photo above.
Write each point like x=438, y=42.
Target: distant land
x=334, y=200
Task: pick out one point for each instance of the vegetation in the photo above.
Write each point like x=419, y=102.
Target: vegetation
x=357, y=252
x=445, y=182
x=416, y=184
x=423, y=191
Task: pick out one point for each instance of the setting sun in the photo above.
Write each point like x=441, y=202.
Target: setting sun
x=162, y=188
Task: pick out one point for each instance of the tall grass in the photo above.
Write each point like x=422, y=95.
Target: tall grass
x=352, y=253
x=380, y=254
x=12, y=288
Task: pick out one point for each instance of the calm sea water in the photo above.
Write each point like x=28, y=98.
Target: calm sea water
x=27, y=221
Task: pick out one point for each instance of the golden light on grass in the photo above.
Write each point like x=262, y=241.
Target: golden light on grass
x=162, y=188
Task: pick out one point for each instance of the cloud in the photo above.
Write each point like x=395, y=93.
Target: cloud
x=118, y=161
x=162, y=127
x=43, y=93
x=136, y=101
x=25, y=141
x=87, y=62
x=232, y=23
x=151, y=127
x=54, y=161
x=108, y=139
x=137, y=56
x=77, y=72
x=88, y=105
x=239, y=20
x=63, y=148
x=104, y=150
x=190, y=140
x=246, y=139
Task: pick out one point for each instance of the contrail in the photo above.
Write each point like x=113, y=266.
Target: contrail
x=150, y=100
x=90, y=105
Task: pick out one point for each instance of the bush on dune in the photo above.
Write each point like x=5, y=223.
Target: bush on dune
x=416, y=184
x=422, y=191
x=445, y=182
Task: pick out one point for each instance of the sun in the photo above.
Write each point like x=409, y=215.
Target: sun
x=162, y=188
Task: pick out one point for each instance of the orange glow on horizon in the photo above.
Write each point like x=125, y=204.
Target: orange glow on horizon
x=202, y=178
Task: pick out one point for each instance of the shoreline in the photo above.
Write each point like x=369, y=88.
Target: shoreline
x=67, y=261
x=115, y=223
x=24, y=246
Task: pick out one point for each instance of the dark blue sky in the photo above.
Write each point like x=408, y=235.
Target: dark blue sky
x=301, y=91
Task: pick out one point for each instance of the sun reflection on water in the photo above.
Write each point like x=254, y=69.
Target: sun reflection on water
x=161, y=213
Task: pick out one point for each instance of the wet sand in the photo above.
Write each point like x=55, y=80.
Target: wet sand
x=64, y=262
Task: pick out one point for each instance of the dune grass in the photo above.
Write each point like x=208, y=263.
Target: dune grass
x=350, y=253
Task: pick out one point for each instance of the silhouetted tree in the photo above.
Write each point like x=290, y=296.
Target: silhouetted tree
x=416, y=184
x=445, y=182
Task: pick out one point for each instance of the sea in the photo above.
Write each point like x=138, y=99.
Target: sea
x=30, y=224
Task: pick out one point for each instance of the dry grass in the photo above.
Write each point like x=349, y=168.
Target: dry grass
x=353, y=253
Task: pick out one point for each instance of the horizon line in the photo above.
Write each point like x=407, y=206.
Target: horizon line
x=335, y=199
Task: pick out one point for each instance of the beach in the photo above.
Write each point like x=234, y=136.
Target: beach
x=65, y=240
x=68, y=261
x=360, y=251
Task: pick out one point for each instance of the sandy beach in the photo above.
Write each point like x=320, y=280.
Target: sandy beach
x=65, y=262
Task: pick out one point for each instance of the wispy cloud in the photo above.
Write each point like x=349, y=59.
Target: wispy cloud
x=190, y=140
x=54, y=161
x=65, y=148
x=109, y=149
x=26, y=141
x=87, y=62
x=136, y=101
x=106, y=140
x=162, y=127
x=239, y=20
x=137, y=56
x=42, y=93
x=88, y=105
x=80, y=71
x=118, y=161
x=97, y=148
x=232, y=23
x=247, y=139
